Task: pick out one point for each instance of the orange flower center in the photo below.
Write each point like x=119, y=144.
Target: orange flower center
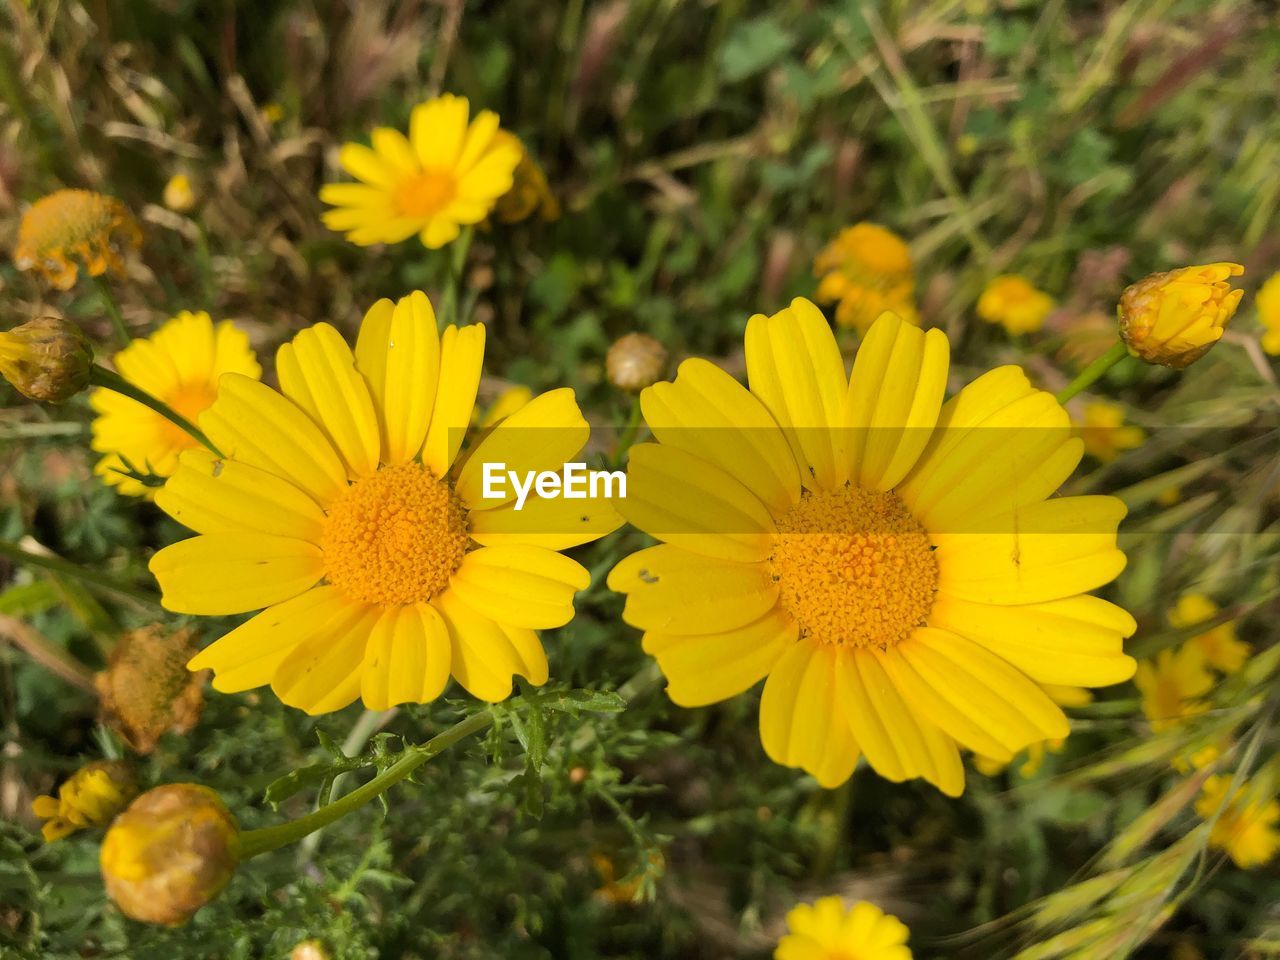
x=854, y=567
x=190, y=400
x=426, y=193
x=395, y=537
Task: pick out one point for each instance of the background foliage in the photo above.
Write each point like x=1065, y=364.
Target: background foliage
x=703, y=152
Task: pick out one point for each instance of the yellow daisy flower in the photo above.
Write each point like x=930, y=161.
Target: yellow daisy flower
x=449, y=172
x=1172, y=685
x=1268, y=300
x=1104, y=432
x=825, y=930
x=179, y=364
x=1013, y=302
x=1221, y=648
x=893, y=565
x=73, y=230
x=1248, y=830
x=868, y=269
x=342, y=506
x=90, y=797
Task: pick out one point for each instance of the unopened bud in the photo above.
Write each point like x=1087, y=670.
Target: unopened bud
x=170, y=853
x=635, y=361
x=46, y=359
x=178, y=194
x=1173, y=318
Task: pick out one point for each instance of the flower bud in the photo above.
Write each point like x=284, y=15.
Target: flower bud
x=1173, y=318
x=178, y=195
x=310, y=950
x=170, y=853
x=635, y=362
x=147, y=689
x=46, y=359
x=90, y=797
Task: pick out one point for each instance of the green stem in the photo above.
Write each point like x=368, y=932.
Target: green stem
x=113, y=311
x=102, y=377
x=66, y=568
x=457, y=264
x=1093, y=372
x=628, y=435
x=254, y=842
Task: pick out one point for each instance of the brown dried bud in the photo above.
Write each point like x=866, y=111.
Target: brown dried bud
x=46, y=359
x=170, y=853
x=635, y=362
x=147, y=689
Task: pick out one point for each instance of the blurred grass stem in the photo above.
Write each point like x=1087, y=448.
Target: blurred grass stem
x=56, y=564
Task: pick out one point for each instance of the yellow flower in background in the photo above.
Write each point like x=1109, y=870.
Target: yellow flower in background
x=178, y=194
x=73, y=230
x=1220, y=646
x=1268, y=301
x=342, y=506
x=1104, y=432
x=530, y=193
x=170, y=853
x=180, y=364
x=1173, y=318
x=1248, y=830
x=1172, y=685
x=1011, y=301
x=896, y=567
x=46, y=359
x=868, y=269
x=826, y=930
x=449, y=172
x=90, y=797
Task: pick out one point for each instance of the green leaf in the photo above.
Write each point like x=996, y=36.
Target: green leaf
x=753, y=46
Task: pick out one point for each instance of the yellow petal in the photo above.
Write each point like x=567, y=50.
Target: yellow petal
x=898, y=743
x=895, y=393
x=678, y=497
x=707, y=668
x=795, y=367
x=363, y=164
x=398, y=351
x=461, y=357
x=318, y=372
x=1045, y=551
x=544, y=434
x=673, y=591
x=520, y=586
x=249, y=655
x=407, y=658
x=707, y=413
x=224, y=573
x=478, y=140
x=323, y=672
x=802, y=721
x=486, y=655
x=252, y=423
x=959, y=676
x=437, y=129
x=212, y=495
x=1073, y=642
x=392, y=147
x=556, y=524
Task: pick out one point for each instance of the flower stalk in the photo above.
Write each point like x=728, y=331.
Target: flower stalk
x=102, y=377
x=1093, y=372
x=266, y=839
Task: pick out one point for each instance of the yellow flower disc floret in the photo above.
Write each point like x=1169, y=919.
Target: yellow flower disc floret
x=854, y=567
x=395, y=537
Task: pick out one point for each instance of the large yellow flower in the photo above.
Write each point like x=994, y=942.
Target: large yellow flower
x=449, y=172
x=1247, y=828
x=825, y=930
x=179, y=364
x=895, y=566
x=342, y=506
x=867, y=269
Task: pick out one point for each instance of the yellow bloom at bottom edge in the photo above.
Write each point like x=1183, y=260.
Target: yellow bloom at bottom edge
x=826, y=930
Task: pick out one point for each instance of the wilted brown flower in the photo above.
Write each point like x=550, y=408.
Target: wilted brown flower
x=73, y=230
x=46, y=359
x=147, y=689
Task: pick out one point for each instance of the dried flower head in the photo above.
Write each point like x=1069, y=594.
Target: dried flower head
x=635, y=361
x=1173, y=318
x=90, y=797
x=46, y=359
x=530, y=193
x=170, y=853
x=147, y=690
x=73, y=230
x=868, y=269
